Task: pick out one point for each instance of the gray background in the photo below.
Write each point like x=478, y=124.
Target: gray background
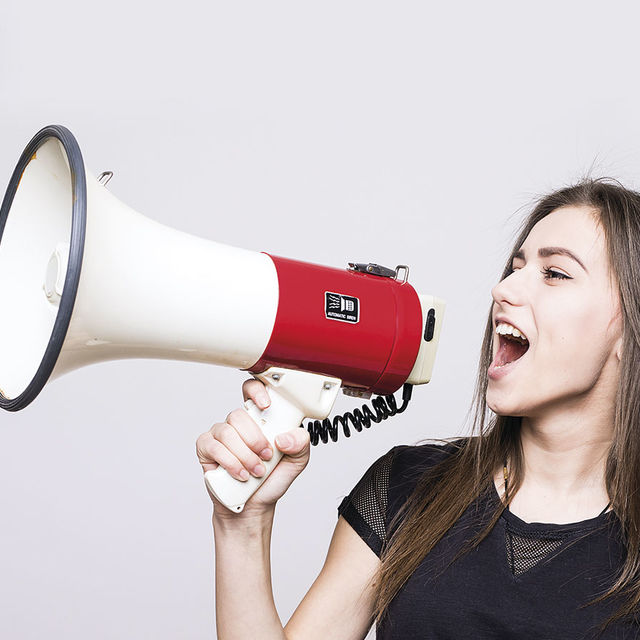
x=404, y=132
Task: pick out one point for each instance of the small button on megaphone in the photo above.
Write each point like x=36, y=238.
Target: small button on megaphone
x=87, y=279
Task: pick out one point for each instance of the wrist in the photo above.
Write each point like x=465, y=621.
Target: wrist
x=249, y=521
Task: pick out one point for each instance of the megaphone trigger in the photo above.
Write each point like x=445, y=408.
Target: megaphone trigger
x=295, y=395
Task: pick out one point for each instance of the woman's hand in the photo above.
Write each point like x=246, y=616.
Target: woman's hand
x=239, y=446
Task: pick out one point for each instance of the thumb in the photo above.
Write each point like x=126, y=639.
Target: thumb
x=294, y=443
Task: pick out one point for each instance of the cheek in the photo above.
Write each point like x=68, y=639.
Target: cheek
x=578, y=345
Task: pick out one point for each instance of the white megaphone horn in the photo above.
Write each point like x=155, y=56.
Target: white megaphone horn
x=86, y=279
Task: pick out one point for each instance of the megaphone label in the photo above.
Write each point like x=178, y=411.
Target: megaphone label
x=340, y=307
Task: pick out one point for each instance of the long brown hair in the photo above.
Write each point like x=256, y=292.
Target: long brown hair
x=442, y=495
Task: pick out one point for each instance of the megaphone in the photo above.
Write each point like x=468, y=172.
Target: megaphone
x=87, y=279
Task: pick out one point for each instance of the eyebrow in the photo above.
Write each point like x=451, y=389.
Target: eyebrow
x=545, y=252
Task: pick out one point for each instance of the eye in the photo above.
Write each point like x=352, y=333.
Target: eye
x=550, y=274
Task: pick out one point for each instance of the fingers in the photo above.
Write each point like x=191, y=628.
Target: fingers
x=212, y=453
x=294, y=443
x=228, y=436
x=237, y=444
x=250, y=433
x=255, y=390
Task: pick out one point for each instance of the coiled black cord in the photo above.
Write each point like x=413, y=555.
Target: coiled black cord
x=385, y=407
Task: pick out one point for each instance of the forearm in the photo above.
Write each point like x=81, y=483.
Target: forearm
x=244, y=598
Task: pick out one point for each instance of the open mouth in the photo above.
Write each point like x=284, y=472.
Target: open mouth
x=510, y=349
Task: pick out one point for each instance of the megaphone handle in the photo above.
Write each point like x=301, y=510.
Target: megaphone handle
x=294, y=395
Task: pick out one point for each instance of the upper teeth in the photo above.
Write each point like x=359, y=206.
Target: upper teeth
x=506, y=328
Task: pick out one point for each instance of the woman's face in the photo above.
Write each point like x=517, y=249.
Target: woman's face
x=573, y=325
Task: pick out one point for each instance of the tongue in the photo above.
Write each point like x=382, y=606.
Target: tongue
x=509, y=351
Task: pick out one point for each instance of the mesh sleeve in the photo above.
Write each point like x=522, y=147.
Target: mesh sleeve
x=365, y=508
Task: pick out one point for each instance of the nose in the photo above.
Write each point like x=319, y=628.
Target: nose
x=509, y=290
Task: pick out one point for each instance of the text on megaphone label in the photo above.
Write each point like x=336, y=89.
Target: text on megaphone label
x=337, y=306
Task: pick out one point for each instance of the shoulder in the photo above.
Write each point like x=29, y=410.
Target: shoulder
x=410, y=463
x=387, y=483
x=412, y=460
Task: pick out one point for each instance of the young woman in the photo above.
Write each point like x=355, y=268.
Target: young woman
x=528, y=528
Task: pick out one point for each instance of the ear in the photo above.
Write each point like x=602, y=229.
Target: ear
x=619, y=348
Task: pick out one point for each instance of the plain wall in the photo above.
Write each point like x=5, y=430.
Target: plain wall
x=404, y=132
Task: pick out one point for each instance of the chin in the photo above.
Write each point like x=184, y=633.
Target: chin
x=504, y=406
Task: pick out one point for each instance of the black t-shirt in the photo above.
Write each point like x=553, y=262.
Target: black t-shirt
x=524, y=580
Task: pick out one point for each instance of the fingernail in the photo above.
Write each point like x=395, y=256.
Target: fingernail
x=284, y=440
x=266, y=453
x=258, y=470
x=244, y=474
x=263, y=399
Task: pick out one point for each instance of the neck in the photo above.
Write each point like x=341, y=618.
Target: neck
x=565, y=451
